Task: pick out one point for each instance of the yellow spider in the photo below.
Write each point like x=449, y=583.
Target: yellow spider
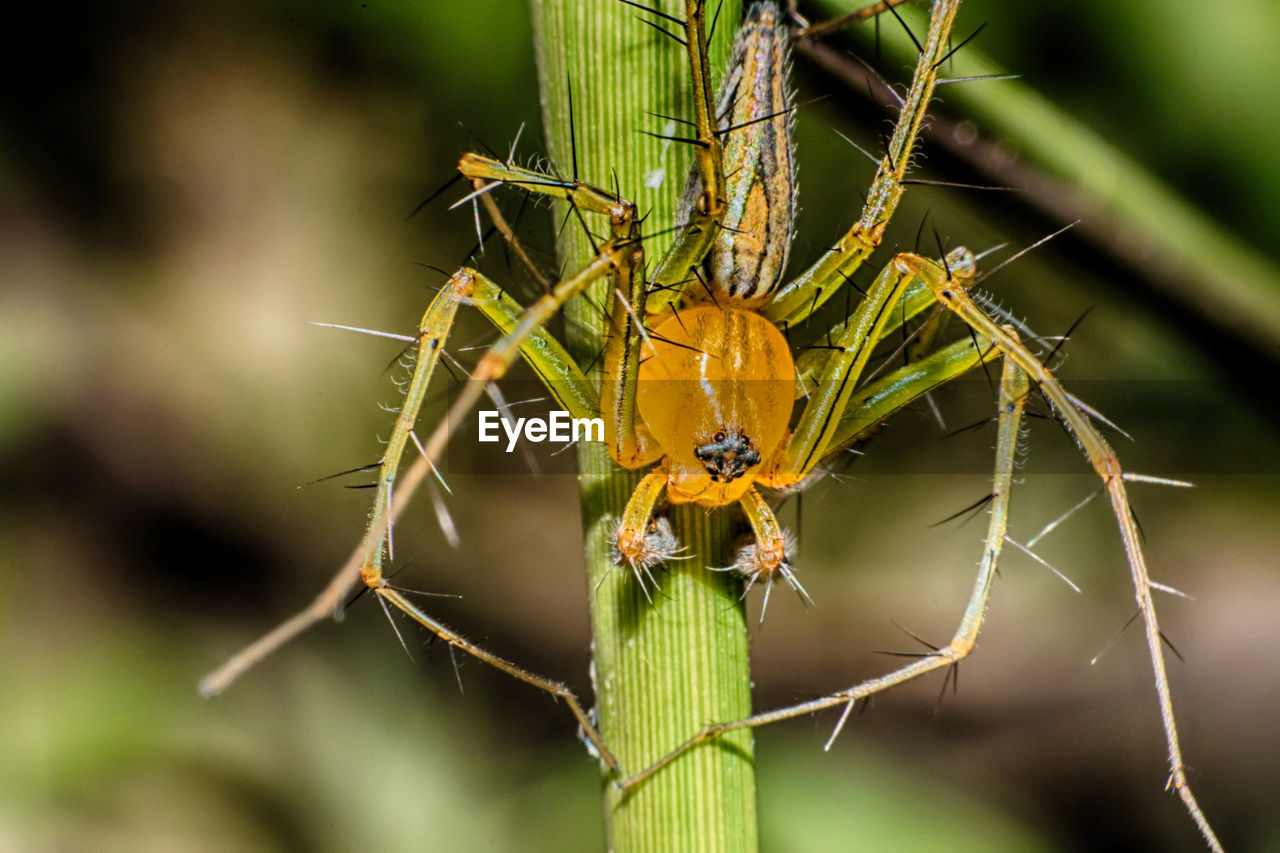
x=699, y=381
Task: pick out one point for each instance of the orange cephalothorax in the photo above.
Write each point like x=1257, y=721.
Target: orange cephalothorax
x=716, y=393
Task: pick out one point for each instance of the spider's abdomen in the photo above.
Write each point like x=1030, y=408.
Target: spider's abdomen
x=749, y=255
x=717, y=395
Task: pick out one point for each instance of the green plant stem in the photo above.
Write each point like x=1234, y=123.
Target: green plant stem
x=662, y=669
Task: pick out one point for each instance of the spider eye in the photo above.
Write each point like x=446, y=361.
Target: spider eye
x=719, y=436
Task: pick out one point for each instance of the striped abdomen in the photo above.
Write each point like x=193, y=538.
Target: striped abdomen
x=749, y=255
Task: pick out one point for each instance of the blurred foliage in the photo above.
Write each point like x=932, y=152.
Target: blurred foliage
x=182, y=188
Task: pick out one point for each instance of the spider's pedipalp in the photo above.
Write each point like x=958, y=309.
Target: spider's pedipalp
x=654, y=546
x=766, y=562
x=769, y=554
x=757, y=561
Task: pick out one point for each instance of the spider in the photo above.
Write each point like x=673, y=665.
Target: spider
x=700, y=387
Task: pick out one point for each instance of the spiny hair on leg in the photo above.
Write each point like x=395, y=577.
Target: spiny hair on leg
x=658, y=545
x=762, y=565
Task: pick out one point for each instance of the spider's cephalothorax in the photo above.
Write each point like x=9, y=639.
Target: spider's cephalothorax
x=716, y=394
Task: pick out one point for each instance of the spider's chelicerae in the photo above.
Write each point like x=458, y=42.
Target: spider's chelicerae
x=700, y=385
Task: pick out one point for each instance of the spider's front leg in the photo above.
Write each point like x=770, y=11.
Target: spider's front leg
x=567, y=384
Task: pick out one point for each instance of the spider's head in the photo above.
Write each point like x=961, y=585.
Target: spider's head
x=727, y=456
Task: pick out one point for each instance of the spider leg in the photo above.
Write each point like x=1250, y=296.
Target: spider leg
x=861, y=417
x=432, y=333
x=629, y=442
x=627, y=438
x=1107, y=466
x=1014, y=388
x=917, y=299
x=771, y=550
x=582, y=195
x=523, y=333
x=456, y=640
x=820, y=420
x=876, y=401
x=801, y=297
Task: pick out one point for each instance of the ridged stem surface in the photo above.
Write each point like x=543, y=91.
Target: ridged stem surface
x=662, y=669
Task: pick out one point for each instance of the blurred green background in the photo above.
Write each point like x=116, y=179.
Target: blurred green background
x=182, y=188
